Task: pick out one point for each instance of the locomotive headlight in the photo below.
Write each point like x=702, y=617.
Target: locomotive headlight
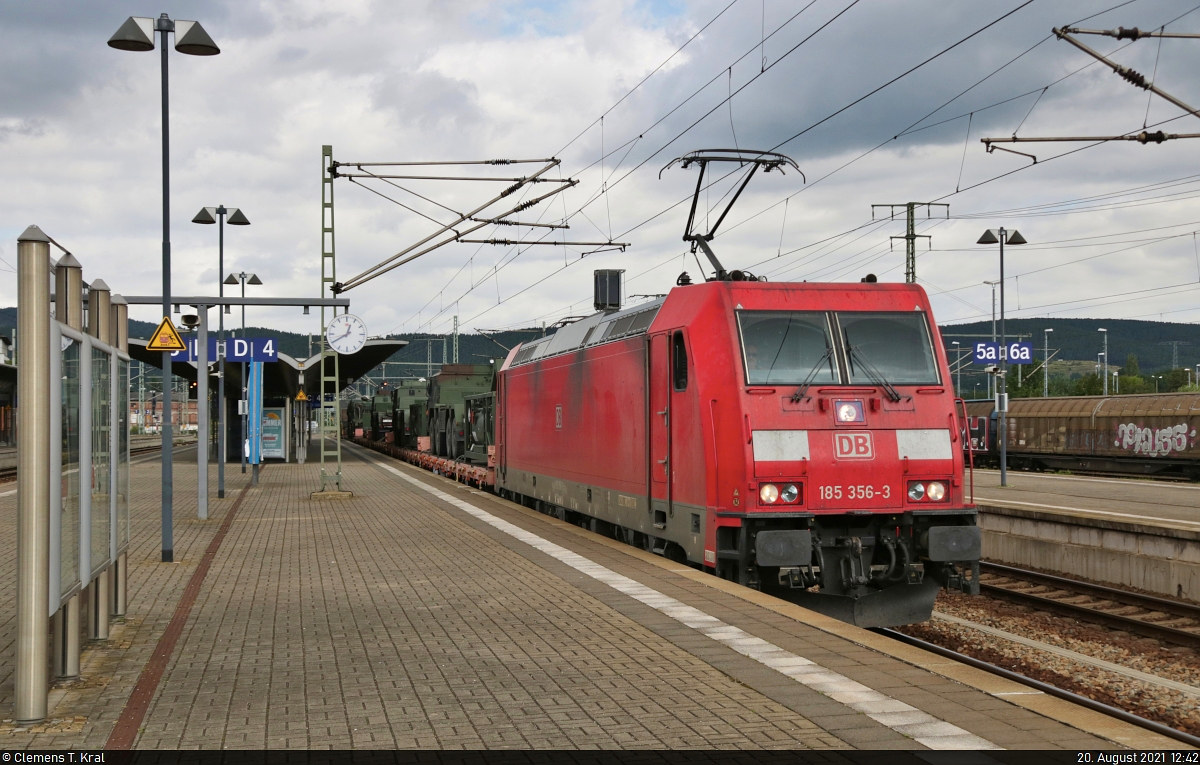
x=790, y=493
x=936, y=491
x=916, y=491
x=847, y=413
x=769, y=493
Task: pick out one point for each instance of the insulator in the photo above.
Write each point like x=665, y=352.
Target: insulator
x=1133, y=77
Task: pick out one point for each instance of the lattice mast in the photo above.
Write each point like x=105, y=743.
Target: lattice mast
x=911, y=236
x=330, y=373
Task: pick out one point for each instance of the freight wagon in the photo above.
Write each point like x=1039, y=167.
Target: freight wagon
x=1141, y=434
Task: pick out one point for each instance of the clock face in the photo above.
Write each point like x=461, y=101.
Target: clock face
x=346, y=334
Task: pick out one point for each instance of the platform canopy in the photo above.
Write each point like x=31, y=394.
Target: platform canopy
x=281, y=378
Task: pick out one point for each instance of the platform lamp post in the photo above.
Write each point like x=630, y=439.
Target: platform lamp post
x=245, y=279
x=234, y=217
x=1046, y=371
x=991, y=382
x=1105, y=332
x=1001, y=236
x=137, y=34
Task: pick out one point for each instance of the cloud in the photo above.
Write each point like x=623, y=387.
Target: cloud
x=475, y=80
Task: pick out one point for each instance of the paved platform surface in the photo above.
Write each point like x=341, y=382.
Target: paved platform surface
x=1119, y=499
x=424, y=614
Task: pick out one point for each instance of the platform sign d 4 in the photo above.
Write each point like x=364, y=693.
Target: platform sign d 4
x=236, y=349
x=987, y=352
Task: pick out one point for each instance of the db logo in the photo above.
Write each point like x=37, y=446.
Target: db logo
x=853, y=446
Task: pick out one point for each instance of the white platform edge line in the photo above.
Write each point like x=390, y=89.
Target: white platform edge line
x=945, y=738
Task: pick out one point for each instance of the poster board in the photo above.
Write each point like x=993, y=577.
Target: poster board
x=273, y=446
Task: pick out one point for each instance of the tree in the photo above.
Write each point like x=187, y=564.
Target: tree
x=1089, y=385
x=1131, y=366
x=1135, y=385
x=1174, y=379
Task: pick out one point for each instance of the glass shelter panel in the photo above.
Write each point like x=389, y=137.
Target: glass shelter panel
x=101, y=477
x=890, y=346
x=70, y=467
x=122, y=455
x=787, y=347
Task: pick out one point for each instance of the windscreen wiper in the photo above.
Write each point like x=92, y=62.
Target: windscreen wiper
x=873, y=373
x=798, y=396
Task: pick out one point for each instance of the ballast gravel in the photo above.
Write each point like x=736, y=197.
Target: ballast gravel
x=1154, y=702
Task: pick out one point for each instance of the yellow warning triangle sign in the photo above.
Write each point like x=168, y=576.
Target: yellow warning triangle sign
x=166, y=338
x=301, y=397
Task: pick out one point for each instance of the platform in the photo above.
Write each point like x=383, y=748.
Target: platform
x=427, y=614
x=1127, y=500
x=1126, y=532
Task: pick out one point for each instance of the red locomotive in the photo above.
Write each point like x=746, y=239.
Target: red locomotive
x=797, y=438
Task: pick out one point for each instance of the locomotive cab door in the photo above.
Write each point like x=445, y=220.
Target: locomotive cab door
x=659, y=431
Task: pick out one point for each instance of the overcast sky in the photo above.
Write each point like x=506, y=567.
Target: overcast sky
x=80, y=137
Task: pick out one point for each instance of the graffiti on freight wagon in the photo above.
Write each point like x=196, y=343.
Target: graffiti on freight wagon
x=1155, y=442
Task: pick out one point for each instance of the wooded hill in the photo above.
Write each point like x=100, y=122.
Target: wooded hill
x=1075, y=339
x=1079, y=339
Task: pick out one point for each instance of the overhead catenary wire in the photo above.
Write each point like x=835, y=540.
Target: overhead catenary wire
x=672, y=257
x=693, y=95
x=1112, y=8
x=960, y=42
x=913, y=127
x=645, y=79
x=1142, y=293
x=714, y=108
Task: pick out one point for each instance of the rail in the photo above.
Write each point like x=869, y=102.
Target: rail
x=1171, y=621
x=9, y=474
x=1046, y=688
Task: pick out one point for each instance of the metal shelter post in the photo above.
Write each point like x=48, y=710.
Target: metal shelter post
x=221, y=407
x=165, y=25
x=202, y=426
x=69, y=295
x=32, y=681
x=120, y=335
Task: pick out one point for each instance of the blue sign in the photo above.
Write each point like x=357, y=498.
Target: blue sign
x=1020, y=353
x=254, y=414
x=987, y=352
x=236, y=349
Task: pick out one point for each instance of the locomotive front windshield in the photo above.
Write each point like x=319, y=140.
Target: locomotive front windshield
x=797, y=348
x=787, y=347
x=894, y=347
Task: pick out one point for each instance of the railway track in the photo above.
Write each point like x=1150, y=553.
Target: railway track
x=1170, y=621
x=9, y=474
x=1046, y=688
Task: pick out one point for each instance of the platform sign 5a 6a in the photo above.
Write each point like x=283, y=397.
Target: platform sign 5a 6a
x=236, y=349
x=987, y=352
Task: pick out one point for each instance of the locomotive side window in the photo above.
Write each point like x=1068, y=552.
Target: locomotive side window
x=679, y=370
x=894, y=346
x=787, y=347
